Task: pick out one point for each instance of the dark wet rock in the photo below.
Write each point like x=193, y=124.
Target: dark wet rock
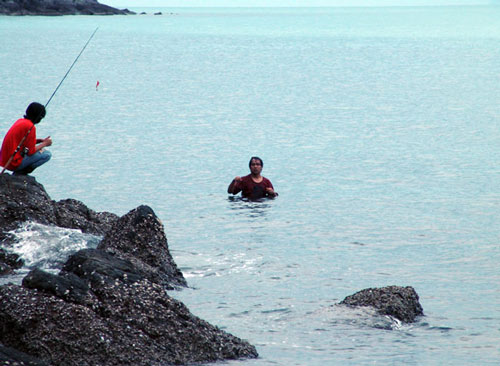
x=58, y=7
x=121, y=322
x=66, y=286
x=139, y=237
x=97, y=266
x=23, y=199
x=9, y=262
x=12, y=357
x=396, y=301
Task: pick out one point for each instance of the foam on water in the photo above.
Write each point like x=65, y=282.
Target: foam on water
x=48, y=247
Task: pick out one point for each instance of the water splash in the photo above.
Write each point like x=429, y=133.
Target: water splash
x=48, y=247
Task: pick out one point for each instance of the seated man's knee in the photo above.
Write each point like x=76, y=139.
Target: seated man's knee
x=47, y=154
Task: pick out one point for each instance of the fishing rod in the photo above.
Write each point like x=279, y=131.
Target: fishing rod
x=46, y=104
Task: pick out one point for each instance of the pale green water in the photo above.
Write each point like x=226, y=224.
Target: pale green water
x=378, y=126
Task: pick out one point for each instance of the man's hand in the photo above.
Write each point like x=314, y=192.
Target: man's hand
x=47, y=141
x=271, y=192
x=43, y=143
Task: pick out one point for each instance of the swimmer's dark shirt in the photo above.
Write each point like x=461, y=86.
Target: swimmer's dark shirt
x=252, y=190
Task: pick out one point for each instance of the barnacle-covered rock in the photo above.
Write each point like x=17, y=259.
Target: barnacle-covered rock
x=139, y=237
x=124, y=324
x=400, y=302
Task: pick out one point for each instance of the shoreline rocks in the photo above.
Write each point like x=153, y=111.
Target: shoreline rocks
x=23, y=199
x=58, y=7
x=107, y=306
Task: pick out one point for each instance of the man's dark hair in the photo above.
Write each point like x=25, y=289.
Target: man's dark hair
x=255, y=158
x=35, y=112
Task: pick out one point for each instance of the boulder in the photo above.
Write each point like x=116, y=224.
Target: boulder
x=396, y=301
x=139, y=237
x=58, y=7
x=97, y=266
x=22, y=199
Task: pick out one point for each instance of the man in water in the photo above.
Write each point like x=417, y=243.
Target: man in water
x=254, y=185
x=31, y=153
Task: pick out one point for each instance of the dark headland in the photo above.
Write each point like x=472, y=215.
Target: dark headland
x=58, y=7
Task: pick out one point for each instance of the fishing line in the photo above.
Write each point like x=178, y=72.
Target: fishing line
x=46, y=104
x=73, y=64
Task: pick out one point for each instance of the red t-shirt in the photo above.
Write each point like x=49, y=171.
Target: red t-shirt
x=253, y=190
x=13, y=137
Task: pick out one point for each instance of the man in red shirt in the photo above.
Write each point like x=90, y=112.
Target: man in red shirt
x=254, y=185
x=31, y=153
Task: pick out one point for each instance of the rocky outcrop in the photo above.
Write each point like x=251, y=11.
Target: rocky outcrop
x=23, y=199
x=109, y=305
x=152, y=257
x=399, y=302
x=114, y=323
x=58, y=7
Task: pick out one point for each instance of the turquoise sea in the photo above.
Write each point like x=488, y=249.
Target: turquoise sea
x=379, y=127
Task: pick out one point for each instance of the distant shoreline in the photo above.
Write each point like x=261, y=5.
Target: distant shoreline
x=58, y=7
x=93, y=7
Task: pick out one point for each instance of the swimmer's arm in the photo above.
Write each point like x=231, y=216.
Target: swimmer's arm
x=234, y=186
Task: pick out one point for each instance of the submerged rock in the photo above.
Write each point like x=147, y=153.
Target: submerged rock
x=58, y=7
x=400, y=302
